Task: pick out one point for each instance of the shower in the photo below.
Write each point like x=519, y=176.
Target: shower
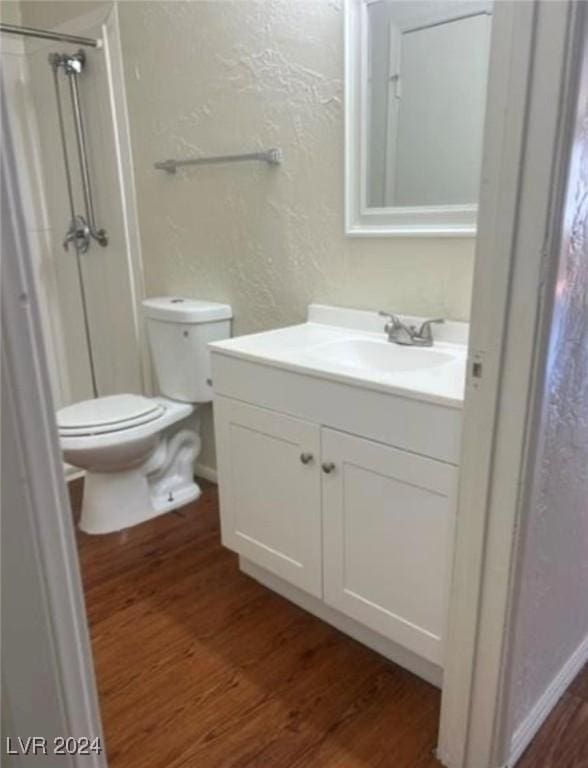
x=82, y=230
x=74, y=157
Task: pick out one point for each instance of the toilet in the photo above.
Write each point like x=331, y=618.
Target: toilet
x=139, y=452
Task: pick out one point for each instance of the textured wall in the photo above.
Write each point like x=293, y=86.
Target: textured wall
x=216, y=77
x=552, y=619
x=47, y=14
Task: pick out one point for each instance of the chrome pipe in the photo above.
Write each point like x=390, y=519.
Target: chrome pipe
x=73, y=66
x=63, y=143
x=81, y=144
x=78, y=233
x=46, y=34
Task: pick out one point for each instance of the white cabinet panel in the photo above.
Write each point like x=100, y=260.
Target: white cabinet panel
x=270, y=499
x=388, y=519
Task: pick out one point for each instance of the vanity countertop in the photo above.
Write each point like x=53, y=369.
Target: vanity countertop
x=350, y=346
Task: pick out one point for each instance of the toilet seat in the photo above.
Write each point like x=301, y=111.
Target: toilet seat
x=103, y=415
x=115, y=437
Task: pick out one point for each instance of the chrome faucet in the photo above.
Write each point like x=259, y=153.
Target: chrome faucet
x=409, y=335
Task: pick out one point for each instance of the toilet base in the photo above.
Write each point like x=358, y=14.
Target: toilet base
x=116, y=500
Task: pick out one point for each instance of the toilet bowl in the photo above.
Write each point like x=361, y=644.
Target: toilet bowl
x=137, y=466
x=138, y=452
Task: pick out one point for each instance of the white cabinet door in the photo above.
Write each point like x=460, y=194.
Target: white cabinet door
x=388, y=519
x=270, y=490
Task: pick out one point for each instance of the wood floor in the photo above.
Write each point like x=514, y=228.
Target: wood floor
x=198, y=666
x=562, y=742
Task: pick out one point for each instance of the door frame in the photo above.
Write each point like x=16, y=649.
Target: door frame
x=49, y=522
x=534, y=66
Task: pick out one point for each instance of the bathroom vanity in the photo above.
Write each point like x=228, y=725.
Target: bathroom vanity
x=338, y=460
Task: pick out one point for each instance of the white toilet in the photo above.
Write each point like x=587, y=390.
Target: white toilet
x=139, y=452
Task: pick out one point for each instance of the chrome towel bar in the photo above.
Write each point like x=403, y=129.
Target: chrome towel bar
x=48, y=34
x=270, y=156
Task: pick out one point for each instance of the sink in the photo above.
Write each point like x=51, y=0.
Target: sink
x=350, y=346
x=379, y=356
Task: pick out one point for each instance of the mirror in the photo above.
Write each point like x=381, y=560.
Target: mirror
x=416, y=76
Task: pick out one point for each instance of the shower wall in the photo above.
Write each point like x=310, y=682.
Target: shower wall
x=112, y=275
x=25, y=130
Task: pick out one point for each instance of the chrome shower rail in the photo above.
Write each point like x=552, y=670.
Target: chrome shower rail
x=46, y=34
x=270, y=156
x=81, y=230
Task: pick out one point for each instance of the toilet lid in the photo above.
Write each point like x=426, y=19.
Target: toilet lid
x=107, y=414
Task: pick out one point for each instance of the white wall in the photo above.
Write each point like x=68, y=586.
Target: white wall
x=210, y=77
x=551, y=632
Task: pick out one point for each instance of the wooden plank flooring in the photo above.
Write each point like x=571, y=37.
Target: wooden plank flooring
x=198, y=666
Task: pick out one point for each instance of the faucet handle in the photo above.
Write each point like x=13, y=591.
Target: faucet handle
x=425, y=332
x=393, y=323
x=390, y=315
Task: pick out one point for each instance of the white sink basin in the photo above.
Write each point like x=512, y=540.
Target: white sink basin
x=381, y=357
x=350, y=346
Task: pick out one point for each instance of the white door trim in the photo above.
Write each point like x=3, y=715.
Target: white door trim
x=23, y=356
x=532, y=84
x=574, y=63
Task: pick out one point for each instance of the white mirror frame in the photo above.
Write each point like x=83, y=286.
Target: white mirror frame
x=361, y=221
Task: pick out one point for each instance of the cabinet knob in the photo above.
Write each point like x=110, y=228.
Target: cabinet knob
x=306, y=458
x=328, y=467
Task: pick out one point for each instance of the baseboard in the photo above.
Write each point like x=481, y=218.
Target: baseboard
x=206, y=473
x=527, y=730
x=382, y=645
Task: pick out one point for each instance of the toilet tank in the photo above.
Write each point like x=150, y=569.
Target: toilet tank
x=179, y=331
